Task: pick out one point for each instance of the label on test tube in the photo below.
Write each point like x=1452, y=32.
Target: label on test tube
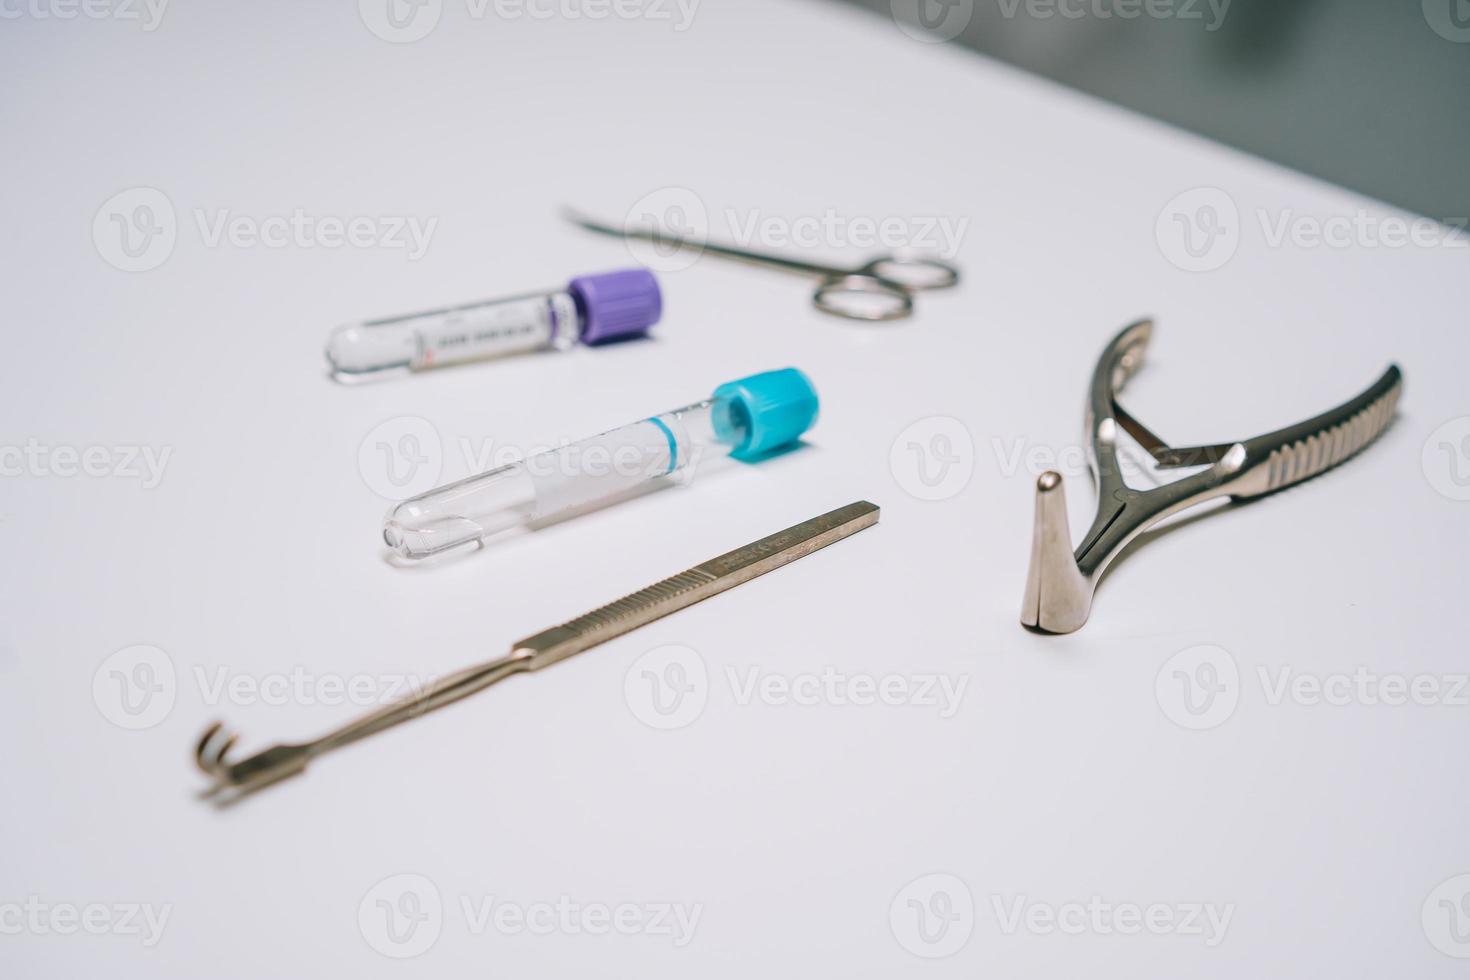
x=592, y=309
x=485, y=330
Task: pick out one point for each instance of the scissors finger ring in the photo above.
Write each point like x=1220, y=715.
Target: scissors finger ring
x=912, y=271
x=863, y=296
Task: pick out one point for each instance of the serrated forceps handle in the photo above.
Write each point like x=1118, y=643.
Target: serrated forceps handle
x=691, y=586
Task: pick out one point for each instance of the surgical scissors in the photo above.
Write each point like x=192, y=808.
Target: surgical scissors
x=880, y=289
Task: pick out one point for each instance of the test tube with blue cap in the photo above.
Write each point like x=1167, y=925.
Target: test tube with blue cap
x=592, y=310
x=748, y=419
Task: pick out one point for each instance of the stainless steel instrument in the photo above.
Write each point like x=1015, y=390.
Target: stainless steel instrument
x=880, y=289
x=1060, y=584
x=234, y=779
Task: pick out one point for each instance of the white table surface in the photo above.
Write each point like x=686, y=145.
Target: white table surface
x=1329, y=834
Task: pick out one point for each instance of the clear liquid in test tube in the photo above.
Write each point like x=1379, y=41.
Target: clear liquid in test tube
x=748, y=419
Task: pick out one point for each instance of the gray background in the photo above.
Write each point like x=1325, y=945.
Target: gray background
x=1363, y=93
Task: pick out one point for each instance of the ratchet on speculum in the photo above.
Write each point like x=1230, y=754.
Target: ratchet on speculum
x=233, y=780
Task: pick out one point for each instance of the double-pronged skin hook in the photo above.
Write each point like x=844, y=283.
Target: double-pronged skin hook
x=231, y=779
x=1060, y=584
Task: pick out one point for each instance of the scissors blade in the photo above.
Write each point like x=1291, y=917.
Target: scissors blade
x=590, y=223
x=660, y=236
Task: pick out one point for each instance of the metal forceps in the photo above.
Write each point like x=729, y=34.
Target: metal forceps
x=234, y=779
x=880, y=289
x=1060, y=584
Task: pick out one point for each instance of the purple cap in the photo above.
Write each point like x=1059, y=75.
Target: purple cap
x=616, y=305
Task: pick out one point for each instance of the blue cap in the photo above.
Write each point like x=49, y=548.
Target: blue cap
x=773, y=407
